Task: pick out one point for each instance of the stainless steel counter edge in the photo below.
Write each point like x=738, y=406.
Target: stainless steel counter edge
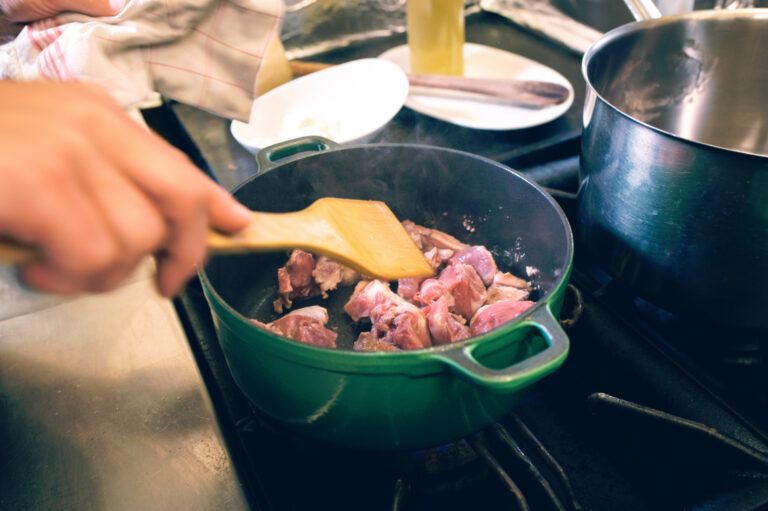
x=103, y=407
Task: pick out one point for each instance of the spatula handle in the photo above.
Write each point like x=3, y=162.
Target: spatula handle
x=12, y=252
x=267, y=231
x=275, y=231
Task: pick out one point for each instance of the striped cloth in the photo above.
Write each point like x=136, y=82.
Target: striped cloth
x=205, y=53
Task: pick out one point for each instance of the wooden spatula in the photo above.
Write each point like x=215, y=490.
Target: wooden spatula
x=364, y=235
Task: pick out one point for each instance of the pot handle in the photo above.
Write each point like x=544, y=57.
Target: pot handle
x=519, y=374
x=268, y=158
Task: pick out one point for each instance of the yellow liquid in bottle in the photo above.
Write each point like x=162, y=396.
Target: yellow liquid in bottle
x=436, y=36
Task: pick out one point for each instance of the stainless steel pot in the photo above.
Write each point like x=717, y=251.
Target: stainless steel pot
x=673, y=197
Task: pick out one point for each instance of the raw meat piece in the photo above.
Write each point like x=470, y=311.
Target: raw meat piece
x=426, y=238
x=403, y=326
x=306, y=276
x=507, y=279
x=295, y=280
x=508, y=287
x=445, y=326
x=329, y=274
x=418, y=233
x=489, y=317
x=437, y=303
x=466, y=287
x=393, y=319
x=438, y=256
x=366, y=341
x=479, y=258
x=442, y=240
x=305, y=325
x=408, y=287
x=431, y=290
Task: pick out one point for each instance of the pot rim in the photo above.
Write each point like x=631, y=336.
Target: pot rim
x=364, y=361
x=642, y=25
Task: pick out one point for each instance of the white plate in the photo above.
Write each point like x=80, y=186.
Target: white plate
x=486, y=62
x=343, y=103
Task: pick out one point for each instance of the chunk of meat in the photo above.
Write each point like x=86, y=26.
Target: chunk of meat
x=509, y=280
x=479, y=258
x=491, y=316
x=392, y=317
x=364, y=298
x=295, y=280
x=437, y=257
x=442, y=240
x=403, y=326
x=417, y=233
x=366, y=341
x=445, y=326
x=431, y=290
x=329, y=274
x=506, y=286
x=427, y=239
x=305, y=325
x=437, y=302
x=466, y=287
x=407, y=288
x=315, y=312
x=306, y=276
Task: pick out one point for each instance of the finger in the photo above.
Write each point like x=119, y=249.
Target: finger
x=184, y=252
x=178, y=264
x=68, y=228
x=135, y=223
x=49, y=278
x=225, y=213
x=94, y=7
x=29, y=10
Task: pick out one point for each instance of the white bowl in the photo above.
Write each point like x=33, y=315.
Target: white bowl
x=342, y=103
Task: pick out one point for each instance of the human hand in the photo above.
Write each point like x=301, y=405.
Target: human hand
x=29, y=10
x=96, y=192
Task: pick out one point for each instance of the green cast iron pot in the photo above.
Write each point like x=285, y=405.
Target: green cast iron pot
x=409, y=399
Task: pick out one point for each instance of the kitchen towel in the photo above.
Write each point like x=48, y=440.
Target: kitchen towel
x=205, y=53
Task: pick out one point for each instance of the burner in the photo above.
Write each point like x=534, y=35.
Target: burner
x=728, y=346
x=440, y=459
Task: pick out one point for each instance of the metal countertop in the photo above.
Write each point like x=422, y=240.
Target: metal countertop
x=102, y=406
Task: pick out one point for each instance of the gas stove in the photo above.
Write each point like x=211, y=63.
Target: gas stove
x=651, y=411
